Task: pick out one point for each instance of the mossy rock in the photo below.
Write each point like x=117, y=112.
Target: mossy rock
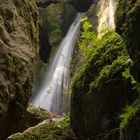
x=58, y=19
x=18, y=56
x=98, y=90
x=41, y=132
x=32, y=117
x=131, y=129
x=127, y=24
x=46, y=130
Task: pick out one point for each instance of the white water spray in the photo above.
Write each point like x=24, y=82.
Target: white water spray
x=106, y=11
x=52, y=94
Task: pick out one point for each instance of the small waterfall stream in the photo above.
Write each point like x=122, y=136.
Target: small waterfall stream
x=52, y=94
x=105, y=14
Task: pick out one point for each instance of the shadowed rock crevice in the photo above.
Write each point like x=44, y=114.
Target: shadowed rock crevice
x=79, y=5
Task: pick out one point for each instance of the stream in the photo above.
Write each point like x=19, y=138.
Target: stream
x=52, y=95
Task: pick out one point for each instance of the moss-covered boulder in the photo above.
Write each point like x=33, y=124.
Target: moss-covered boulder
x=98, y=90
x=32, y=117
x=19, y=47
x=54, y=129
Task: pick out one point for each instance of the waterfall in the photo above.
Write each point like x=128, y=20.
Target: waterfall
x=52, y=94
x=105, y=14
x=111, y=11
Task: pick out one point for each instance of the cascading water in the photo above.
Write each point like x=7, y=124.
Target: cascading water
x=111, y=11
x=52, y=94
x=105, y=14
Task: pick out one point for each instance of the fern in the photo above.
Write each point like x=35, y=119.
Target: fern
x=126, y=74
x=87, y=37
x=129, y=111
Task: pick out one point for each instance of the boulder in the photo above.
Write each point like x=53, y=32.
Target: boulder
x=99, y=92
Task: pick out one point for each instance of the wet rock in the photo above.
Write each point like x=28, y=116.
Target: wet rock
x=19, y=45
x=99, y=92
x=54, y=23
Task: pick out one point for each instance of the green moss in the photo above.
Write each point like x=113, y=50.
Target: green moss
x=123, y=9
x=98, y=90
x=127, y=24
x=47, y=130
x=129, y=112
x=38, y=113
x=7, y=16
x=132, y=119
x=14, y=71
x=108, y=71
x=65, y=121
x=42, y=132
x=108, y=56
x=28, y=10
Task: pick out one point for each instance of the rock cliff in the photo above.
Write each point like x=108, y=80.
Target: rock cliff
x=99, y=91
x=18, y=56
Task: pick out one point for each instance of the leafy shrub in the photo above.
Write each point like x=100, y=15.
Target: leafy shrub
x=65, y=122
x=129, y=111
x=87, y=39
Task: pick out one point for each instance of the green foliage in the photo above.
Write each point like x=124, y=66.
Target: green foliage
x=54, y=31
x=126, y=74
x=52, y=25
x=108, y=70
x=69, y=93
x=108, y=57
x=29, y=12
x=87, y=38
x=129, y=111
x=65, y=122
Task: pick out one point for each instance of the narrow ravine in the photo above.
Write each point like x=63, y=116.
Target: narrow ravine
x=76, y=84
x=52, y=96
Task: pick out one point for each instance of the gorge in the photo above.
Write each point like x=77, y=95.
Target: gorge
x=68, y=77
x=52, y=95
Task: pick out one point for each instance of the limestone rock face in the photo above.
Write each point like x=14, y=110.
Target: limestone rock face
x=98, y=90
x=99, y=94
x=54, y=23
x=18, y=51
x=127, y=25
x=58, y=19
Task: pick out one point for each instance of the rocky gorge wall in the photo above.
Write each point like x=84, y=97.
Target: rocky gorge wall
x=18, y=56
x=99, y=92
x=19, y=42
x=54, y=23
